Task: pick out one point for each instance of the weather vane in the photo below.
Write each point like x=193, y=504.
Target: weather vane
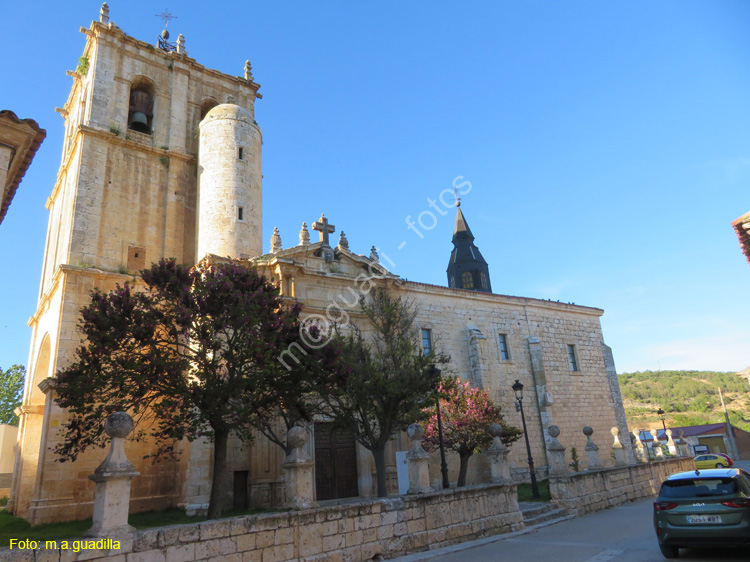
x=458, y=199
x=165, y=45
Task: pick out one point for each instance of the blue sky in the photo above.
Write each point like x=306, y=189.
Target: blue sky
x=606, y=144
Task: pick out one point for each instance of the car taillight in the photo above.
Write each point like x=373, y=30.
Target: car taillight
x=663, y=506
x=739, y=502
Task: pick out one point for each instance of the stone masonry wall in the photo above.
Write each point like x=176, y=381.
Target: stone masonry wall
x=357, y=531
x=583, y=492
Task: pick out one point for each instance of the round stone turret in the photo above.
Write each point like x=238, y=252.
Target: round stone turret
x=229, y=184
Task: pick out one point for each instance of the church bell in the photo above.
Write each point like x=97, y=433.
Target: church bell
x=140, y=110
x=139, y=122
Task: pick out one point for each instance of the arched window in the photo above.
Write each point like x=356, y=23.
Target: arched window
x=467, y=281
x=206, y=106
x=141, y=108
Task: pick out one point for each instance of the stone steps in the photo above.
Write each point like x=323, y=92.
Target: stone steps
x=537, y=514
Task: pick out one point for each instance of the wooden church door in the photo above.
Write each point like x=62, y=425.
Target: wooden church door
x=335, y=463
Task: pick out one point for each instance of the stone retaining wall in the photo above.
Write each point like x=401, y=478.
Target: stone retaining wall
x=356, y=531
x=582, y=492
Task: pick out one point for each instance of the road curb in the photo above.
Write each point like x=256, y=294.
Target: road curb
x=427, y=554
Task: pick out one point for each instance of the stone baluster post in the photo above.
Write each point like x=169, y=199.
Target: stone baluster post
x=592, y=451
x=658, y=451
x=417, y=459
x=682, y=446
x=671, y=445
x=112, y=477
x=618, y=448
x=558, y=466
x=640, y=453
x=299, y=471
x=497, y=454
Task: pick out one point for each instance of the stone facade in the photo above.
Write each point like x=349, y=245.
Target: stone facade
x=130, y=191
x=19, y=141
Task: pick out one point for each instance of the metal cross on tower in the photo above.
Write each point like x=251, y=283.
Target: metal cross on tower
x=322, y=226
x=167, y=17
x=164, y=44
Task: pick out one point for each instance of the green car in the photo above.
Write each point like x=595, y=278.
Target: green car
x=703, y=508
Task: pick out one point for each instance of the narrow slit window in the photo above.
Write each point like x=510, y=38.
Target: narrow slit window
x=426, y=341
x=504, y=349
x=240, y=213
x=572, y=358
x=241, y=153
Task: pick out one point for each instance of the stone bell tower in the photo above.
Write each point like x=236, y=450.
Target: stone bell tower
x=229, y=168
x=125, y=196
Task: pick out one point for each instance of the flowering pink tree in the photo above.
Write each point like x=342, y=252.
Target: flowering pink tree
x=466, y=415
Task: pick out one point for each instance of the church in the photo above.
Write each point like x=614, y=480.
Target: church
x=162, y=158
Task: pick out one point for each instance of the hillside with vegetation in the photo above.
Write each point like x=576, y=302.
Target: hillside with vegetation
x=687, y=398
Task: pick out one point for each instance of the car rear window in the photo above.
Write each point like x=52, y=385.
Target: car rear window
x=697, y=487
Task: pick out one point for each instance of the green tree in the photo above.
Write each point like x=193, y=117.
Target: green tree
x=194, y=354
x=11, y=392
x=387, y=376
x=466, y=415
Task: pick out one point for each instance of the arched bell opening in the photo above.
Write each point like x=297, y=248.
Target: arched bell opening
x=141, y=108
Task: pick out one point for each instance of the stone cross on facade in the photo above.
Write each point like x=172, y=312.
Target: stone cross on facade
x=322, y=226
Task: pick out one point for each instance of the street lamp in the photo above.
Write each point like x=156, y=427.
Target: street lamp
x=662, y=416
x=434, y=373
x=518, y=390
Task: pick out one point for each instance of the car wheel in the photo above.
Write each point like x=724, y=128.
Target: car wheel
x=719, y=465
x=669, y=551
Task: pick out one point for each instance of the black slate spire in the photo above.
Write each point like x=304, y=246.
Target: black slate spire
x=467, y=268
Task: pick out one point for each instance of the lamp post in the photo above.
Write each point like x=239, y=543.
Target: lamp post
x=662, y=416
x=434, y=372
x=518, y=390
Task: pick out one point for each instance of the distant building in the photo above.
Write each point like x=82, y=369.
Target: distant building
x=713, y=435
x=19, y=141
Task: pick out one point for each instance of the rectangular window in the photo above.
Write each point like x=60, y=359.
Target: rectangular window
x=572, y=358
x=240, y=153
x=426, y=341
x=240, y=213
x=504, y=349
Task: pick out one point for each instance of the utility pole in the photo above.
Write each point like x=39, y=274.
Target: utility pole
x=732, y=440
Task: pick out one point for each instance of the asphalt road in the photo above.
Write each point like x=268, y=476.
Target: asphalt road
x=620, y=534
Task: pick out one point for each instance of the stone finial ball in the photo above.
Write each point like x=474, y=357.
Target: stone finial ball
x=119, y=425
x=415, y=432
x=588, y=431
x=496, y=430
x=615, y=431
x=296, y=437
x=553, y=431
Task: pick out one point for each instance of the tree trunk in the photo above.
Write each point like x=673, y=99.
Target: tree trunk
x=220, y=466
x=379, y=453
x=464, y=467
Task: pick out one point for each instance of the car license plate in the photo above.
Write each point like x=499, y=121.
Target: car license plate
x=704, y=518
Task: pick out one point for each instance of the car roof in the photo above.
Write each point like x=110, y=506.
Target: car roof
x=707, y=473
